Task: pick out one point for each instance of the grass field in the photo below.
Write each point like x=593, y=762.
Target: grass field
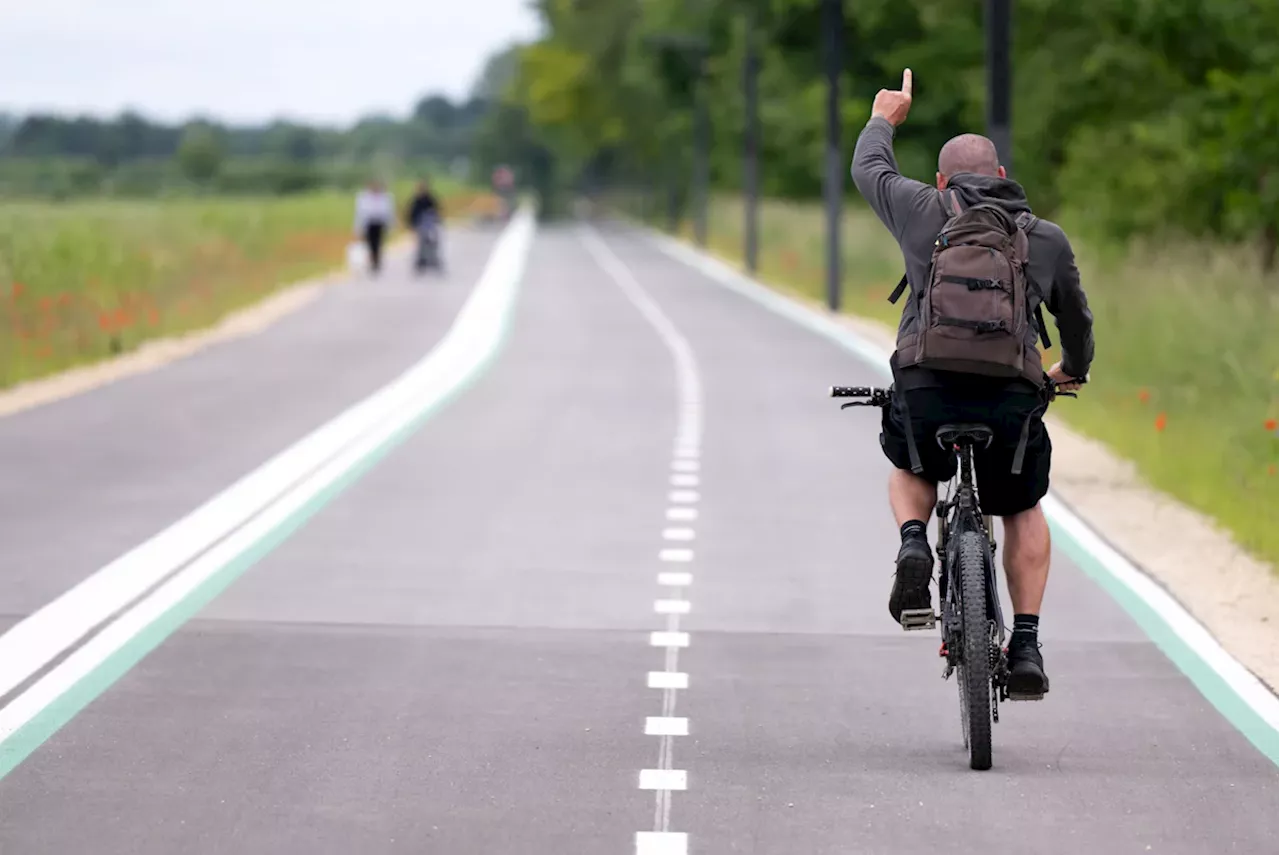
x=1185, y=378
x=82, y=281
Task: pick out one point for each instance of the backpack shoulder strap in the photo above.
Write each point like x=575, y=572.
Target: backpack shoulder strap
x=949, y=199
x=897, y=292
x=1027, y=221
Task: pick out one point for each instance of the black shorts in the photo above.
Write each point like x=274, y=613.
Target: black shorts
x=1000, y=492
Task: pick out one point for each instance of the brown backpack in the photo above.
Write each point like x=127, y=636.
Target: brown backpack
x=976, y=309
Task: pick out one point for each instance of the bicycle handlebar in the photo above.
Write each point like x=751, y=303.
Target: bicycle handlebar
x=879, y=397
x=854, y=391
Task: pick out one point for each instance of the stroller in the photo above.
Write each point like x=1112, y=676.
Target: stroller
x=428, y=254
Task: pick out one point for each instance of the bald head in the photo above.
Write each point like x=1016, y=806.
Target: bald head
x=969, y=153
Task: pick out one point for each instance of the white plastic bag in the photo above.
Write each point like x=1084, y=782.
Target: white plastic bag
x=357, y=256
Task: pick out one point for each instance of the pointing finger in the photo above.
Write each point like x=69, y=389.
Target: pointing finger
x=906, y=81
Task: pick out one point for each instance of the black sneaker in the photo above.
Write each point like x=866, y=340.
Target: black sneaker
x=911, y=585
x=1027, y=680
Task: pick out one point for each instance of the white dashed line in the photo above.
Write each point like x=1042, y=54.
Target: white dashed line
x=675, y=580
x=686, y=451
x=663, y=779
x=668, y=680
x=659, y=725
x=662, y=843
x=668, y=639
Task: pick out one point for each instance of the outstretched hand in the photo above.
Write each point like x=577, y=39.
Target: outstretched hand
x=893, y=105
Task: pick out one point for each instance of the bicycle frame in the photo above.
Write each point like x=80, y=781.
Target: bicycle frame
x=957, y=513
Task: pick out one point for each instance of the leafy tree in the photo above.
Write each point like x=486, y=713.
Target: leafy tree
x=201, y=153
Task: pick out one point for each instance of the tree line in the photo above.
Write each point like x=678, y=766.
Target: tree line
x=1137, y=117
x=55, y=155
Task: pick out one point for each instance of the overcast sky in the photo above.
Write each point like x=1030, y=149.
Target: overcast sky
x=248, y=60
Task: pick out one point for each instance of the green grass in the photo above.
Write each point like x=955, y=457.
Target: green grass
x=1185, y=378
x=82, y=281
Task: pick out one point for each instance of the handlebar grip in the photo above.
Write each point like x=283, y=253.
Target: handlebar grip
x=851, y=391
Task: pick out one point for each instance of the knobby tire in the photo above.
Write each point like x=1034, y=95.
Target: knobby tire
x=975, y=662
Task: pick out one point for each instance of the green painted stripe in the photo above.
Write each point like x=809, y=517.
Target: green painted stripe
x=1208, y=681
x=26, y=739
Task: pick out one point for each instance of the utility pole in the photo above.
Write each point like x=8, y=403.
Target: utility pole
x=833, y=178
x=751, y=142
x=701, y=151
x=999, y=80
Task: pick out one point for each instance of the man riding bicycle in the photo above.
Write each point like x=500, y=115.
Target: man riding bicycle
x=946, y=368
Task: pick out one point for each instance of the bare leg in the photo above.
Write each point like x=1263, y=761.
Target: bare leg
x=911, y=497
x=1026, y=559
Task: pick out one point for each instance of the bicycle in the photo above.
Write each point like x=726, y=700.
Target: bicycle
x=972, y=623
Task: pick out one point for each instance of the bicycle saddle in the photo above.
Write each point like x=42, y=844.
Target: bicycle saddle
x=976, y=434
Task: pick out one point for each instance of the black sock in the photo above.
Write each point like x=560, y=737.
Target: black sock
x=914, y=528
x=1027, y=626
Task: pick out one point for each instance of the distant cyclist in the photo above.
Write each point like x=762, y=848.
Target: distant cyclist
x=966, y=352
x=423, y=218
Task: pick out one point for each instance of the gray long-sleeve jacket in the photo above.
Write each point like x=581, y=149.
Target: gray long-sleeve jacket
x=914, y=213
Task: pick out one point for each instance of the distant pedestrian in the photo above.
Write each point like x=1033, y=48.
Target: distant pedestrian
x=423, y=218
x=375, y=211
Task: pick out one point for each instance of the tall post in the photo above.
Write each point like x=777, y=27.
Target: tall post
x=833, y=179
x=751, y=143
x=999, y=80
x=701, y=151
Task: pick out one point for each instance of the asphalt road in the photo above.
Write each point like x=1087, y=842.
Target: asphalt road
x=452, y=655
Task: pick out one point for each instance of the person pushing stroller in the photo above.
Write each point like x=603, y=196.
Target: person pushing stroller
x=423, y=218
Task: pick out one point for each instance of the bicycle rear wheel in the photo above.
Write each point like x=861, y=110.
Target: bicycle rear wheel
x=975, y=653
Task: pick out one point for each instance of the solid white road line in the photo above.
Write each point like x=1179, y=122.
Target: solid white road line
x=668, y=680
x=671, y=607
x=267, y=498
x=37, y=640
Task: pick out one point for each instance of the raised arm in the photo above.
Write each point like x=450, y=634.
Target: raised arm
x=890, y=194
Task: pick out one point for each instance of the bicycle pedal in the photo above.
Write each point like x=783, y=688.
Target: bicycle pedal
x=913, y=619
x=1026, y=696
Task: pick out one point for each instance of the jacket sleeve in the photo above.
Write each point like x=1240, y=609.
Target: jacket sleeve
x=894, y=197
x=1070, y=309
